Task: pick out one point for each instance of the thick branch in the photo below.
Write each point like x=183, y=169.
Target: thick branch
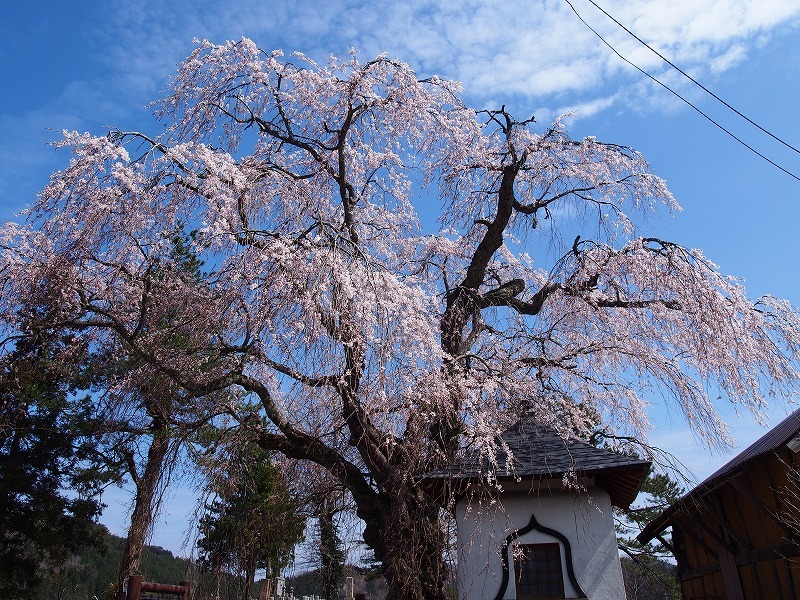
x=313, y=450
x=459, y=301
x=362, y=434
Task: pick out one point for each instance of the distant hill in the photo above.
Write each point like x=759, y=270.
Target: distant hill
x=90, y=573
x=655, y=580
x=365, y=582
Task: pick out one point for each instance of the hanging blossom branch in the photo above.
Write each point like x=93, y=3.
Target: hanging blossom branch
x=375, y=351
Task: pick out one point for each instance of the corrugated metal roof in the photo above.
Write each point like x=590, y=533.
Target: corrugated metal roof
x=538, y=452
x=776, y=437
x=773, y=439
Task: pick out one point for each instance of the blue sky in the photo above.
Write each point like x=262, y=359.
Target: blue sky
x=89, y=66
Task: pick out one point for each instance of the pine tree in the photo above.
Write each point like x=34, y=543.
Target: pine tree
x=331, y=553
x=253, y=522
x=159, y=402
x=45, y=448
x=648, y=562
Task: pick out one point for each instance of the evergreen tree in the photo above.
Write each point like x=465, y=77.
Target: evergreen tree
x=648, y=569
x=331, y=553
x=159, y=404
x=649, y=562
x=253, y=522
x=45, y=449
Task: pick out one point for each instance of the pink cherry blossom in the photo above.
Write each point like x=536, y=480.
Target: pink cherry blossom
x=323, y=299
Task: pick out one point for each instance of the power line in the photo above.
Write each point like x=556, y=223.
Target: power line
x=687, y=102
x=692, y=79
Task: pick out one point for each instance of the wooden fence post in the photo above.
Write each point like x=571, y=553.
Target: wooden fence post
x=264, y=589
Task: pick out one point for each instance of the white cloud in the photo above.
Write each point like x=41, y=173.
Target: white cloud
x=496, y=48
x=584, y=110
x=525, y=55
x=728, y=60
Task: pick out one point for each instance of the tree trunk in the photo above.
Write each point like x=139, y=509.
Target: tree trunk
x=144, y=506
x=331, y=554
x=249, y=576
x=406, y=537
x=326, y=542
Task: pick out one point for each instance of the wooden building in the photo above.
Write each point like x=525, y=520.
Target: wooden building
x=736, y=536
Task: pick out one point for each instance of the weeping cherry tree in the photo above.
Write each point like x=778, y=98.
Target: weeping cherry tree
x=375, y=349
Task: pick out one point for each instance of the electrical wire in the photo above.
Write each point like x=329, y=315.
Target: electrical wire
x=692, y=79
x=686, y=101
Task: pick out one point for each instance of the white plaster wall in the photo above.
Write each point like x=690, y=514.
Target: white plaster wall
x=585, y=519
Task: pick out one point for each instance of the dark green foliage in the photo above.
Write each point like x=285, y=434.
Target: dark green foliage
x=161, y=404
x=183, y=256
x=45, y=448
x=645, y=567
x=253, y=522
x=332, y=554
x=91, y=572
x=661, y=491
x=657, y=581
x=648, y=569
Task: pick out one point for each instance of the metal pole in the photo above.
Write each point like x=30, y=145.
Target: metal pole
x=348, y=589
x=134, y=587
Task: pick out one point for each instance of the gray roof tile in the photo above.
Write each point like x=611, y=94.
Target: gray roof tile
x=540, y=453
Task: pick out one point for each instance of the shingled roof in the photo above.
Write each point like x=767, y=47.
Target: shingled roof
x=786, y=432
x=540, y=453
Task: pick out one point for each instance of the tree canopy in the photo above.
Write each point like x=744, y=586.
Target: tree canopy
x=326, y=299
x=50, y=475
x=252, y=522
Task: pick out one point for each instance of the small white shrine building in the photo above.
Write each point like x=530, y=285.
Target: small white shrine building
x=548, y=531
